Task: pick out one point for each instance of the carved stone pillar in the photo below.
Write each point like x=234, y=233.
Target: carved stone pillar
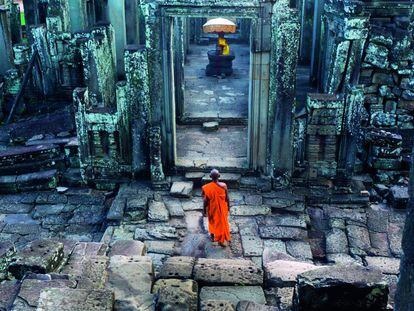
x=283, y=62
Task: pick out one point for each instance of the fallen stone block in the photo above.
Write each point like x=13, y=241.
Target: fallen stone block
x=227, y=271
x=399, y=196
x=68, y=299
x=343, y=288
x=40, y=256
x=127, y=248
x=155, y=231
x=179, y=267
x=210, y=126
x=116, y=211
x=88, y=249
x=130, y=278
x=182, y=189
x=161, y=247
x=176, y=294
x=283, y=273
x=387, y=265
x=252, y=306
x=44, y=180
x=157, y=211
x=227, y=295
x=216, y=305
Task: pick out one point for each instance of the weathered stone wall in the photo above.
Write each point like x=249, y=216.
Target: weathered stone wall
x=388, y=71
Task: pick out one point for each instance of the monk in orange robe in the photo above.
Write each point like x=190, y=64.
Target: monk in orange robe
x=216, y=207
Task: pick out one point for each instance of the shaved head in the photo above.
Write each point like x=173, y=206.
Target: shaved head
x=214, y=174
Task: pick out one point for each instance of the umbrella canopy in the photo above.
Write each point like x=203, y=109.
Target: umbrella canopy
x=217, y=25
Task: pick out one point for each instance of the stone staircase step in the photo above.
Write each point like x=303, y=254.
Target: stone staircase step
x=127, y=248
x=68, y=299
x=179, y=267
x=176, y=294
x=232, y=180
x=227, y=271
x=43, y=180
x=131, y=278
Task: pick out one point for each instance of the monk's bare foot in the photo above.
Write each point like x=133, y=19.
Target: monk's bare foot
x=224, y=244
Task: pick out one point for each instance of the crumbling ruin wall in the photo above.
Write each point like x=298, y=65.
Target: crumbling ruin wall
x=387, y=73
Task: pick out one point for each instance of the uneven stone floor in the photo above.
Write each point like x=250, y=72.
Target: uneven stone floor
x=226, y=147
x=278, y=234
x=211, y=97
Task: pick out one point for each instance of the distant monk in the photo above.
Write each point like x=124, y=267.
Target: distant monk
x=216, y=207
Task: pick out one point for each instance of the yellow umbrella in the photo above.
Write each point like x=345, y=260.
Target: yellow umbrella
x=219, y=25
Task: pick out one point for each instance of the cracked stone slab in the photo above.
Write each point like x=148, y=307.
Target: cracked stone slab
x=182, y=189
x=216, y=305
x=176, y=294
x=227, y=271
x=386, y=265
x=157, y=212
x=8, y=292
x=67, y=299
x=232, y=294
x=89, y=272
x=31, y=288
x=252, y=245
x=127, y=248
x=283, y=273
x=179, y=267
x=39, y=256
x=130, y=278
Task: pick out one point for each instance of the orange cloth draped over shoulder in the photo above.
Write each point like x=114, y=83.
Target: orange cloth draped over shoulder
x=217, y=212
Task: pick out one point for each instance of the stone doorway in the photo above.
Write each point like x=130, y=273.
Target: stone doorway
x=212, y=115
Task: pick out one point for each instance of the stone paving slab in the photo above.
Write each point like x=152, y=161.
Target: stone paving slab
x=176, y=294
x=227, y=271
x=131, y=277
x=65, y=299
x=90, y=272
x=233, y=294
x=180, y=267
x=127, y=248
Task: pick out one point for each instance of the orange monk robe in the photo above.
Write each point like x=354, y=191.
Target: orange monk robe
x=217, y=212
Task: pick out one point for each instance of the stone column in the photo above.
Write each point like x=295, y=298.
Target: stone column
x=316, y=39
x=41, y=43
x=354, y=104
x=404, y=298
x=306, y=30
x=78, y=15
x=157, y=172
x=178, y=51
x=5, y=44
x=99, y=66
x=284, y=57
x=116, y=10
x=136, y=70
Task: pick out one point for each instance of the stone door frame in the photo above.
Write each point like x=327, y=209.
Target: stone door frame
x=270, y=102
